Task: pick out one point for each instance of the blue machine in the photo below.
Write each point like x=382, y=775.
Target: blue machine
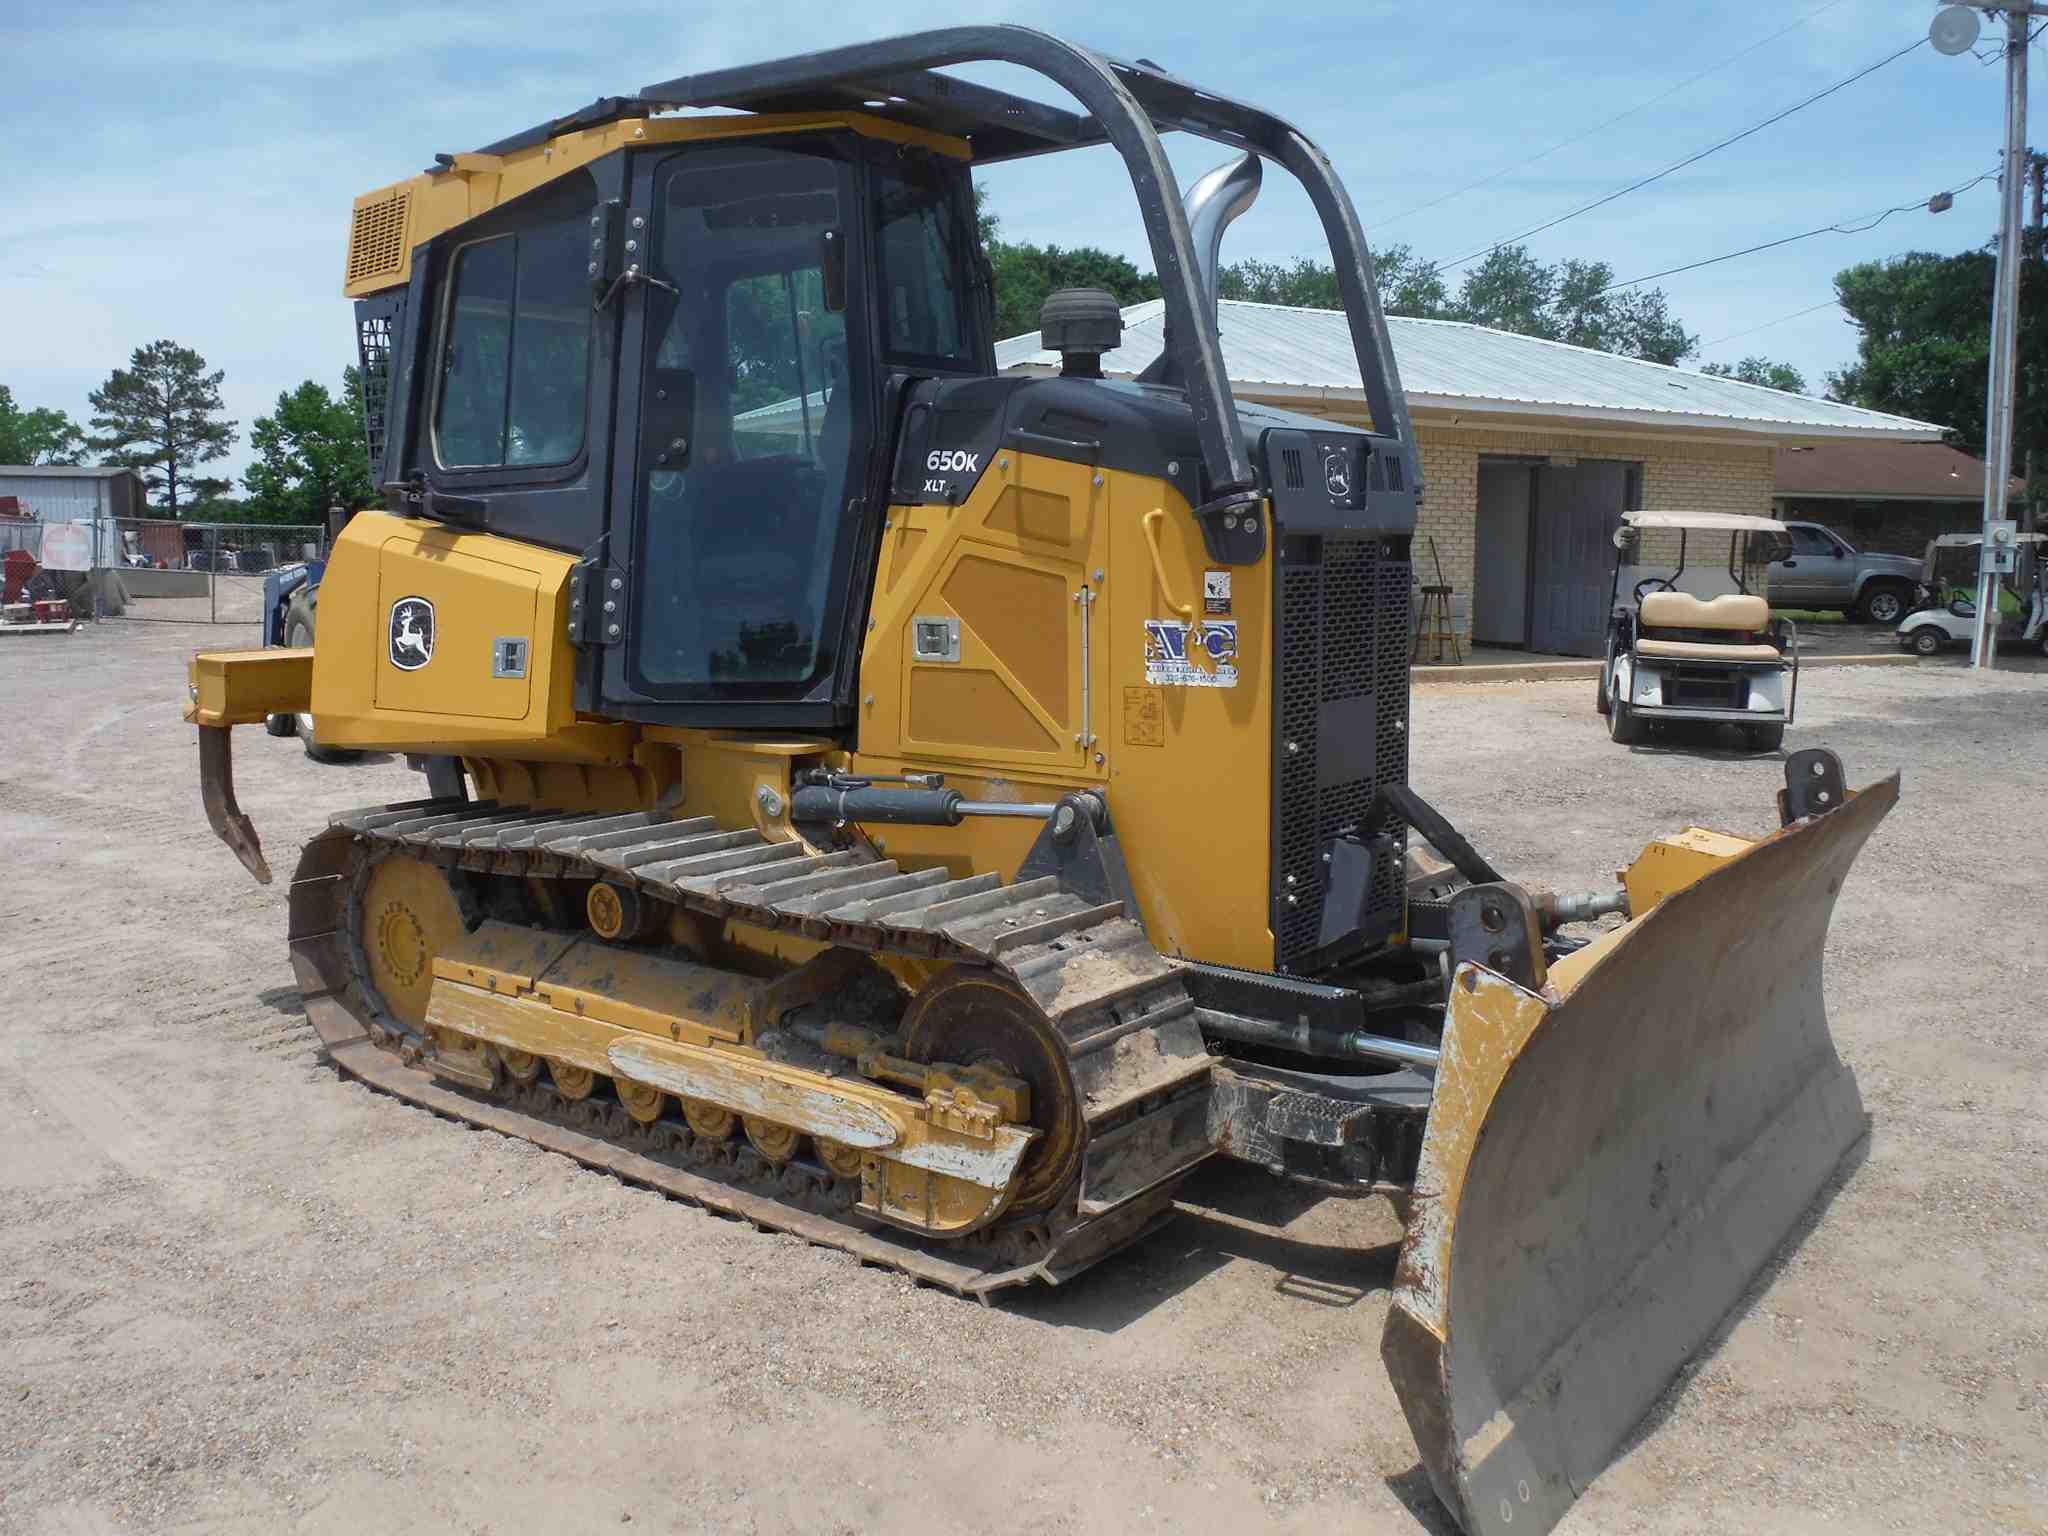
x=278, y=588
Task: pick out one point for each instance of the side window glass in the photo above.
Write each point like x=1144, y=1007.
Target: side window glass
x=515, y=359
x=923, y=251
x=470, y=428
x=550, y=348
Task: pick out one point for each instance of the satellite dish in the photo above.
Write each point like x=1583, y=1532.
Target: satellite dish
x=1953, y=30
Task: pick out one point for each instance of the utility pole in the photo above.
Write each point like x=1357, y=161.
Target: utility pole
x=1954, y=29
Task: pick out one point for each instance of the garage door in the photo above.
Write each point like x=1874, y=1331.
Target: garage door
x=1572, y=555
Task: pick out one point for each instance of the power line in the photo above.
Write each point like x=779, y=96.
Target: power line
x=1796, y=314
x=1515, y=165
x=1851, y=228
x=1692, y=159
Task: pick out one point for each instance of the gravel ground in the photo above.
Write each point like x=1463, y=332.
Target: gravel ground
x=240, y=1295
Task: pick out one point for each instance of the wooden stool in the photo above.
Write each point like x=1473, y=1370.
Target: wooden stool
x=1433, y=625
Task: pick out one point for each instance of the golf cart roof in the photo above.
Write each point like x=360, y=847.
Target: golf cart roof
x=1723, y=522
x=1968, y=540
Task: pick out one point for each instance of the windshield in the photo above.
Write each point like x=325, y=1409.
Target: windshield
x=748, y=412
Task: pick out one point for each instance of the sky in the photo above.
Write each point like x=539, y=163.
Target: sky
x=187, y=171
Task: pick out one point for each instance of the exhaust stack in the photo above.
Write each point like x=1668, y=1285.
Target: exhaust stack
x=1211, y=204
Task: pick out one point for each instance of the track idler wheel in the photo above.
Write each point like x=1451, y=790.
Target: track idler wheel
x=405, y=915
x=972, y=1018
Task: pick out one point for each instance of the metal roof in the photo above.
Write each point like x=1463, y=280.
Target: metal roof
x=1278, y=352
x=65, y=472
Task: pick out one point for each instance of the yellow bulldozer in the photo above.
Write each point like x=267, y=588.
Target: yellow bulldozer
x=932, y=812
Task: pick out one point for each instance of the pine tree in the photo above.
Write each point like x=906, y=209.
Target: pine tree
x=160, y=415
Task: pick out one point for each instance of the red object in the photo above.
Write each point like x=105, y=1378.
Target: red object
x=15, y=571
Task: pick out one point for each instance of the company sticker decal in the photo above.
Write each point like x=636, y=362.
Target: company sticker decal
x=1215, y=592
x=412, y=633
x=1198, y=655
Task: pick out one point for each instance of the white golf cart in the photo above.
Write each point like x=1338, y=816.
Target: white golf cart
x=1692, y=642
x=1951, y=615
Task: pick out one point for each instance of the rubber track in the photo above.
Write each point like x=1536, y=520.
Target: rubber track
x=1088, y=966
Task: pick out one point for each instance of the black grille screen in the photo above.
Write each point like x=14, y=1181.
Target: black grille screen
x=374, y=319
x=1341, y=730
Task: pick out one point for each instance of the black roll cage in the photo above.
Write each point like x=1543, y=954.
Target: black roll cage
x=1127, y=106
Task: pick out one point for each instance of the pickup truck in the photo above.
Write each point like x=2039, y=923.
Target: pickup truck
x=1824, y=572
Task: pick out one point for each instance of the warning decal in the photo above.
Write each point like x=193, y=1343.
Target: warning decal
x=1215, y=592
x=1144, y=717
x=1199, y=655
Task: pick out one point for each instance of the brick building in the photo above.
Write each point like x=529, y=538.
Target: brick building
x=1887, y=497
x=1531, y=449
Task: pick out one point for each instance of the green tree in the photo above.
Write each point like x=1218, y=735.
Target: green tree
x=1924, y=343
x=40, y=436
x=1511, y=290
x=1571, y=301
x=161, y=415
x=1025, y=274
x=310, y=455
x=1760, y=370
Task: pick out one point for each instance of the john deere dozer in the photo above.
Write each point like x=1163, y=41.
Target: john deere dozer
x=931, y=812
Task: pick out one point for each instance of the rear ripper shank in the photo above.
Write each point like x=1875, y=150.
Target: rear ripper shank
x=844, y=816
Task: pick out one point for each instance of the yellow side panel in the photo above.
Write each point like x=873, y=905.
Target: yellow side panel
x=1187, y=769
x=479, y=600
x=944, y=706
x=1006, y=566
x=484, y=589
x=1191, y=768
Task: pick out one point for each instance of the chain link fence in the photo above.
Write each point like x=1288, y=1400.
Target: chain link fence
x=205, y=572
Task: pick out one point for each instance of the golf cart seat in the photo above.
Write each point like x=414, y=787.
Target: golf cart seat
x=1701, y=650
x=1733, y=612
x=1681, y=610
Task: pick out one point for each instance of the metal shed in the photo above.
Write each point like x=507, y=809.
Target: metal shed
x=65, y=493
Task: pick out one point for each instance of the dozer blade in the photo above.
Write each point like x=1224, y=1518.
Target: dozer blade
x=1606, y=1167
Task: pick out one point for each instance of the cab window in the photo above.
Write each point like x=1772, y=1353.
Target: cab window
x=515, y=350
x=924, y=243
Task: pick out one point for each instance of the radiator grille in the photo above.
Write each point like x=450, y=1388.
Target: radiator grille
x=1341, y=633
x=376, y=239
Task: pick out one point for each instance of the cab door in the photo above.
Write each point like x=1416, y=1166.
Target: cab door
x=744, y=443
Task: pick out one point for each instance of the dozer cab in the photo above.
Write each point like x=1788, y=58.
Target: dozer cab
x=932, y=812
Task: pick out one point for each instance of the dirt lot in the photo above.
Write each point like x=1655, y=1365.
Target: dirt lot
x=237, y=1294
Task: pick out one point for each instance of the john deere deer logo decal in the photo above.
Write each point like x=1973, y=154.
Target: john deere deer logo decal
x=412, y=633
